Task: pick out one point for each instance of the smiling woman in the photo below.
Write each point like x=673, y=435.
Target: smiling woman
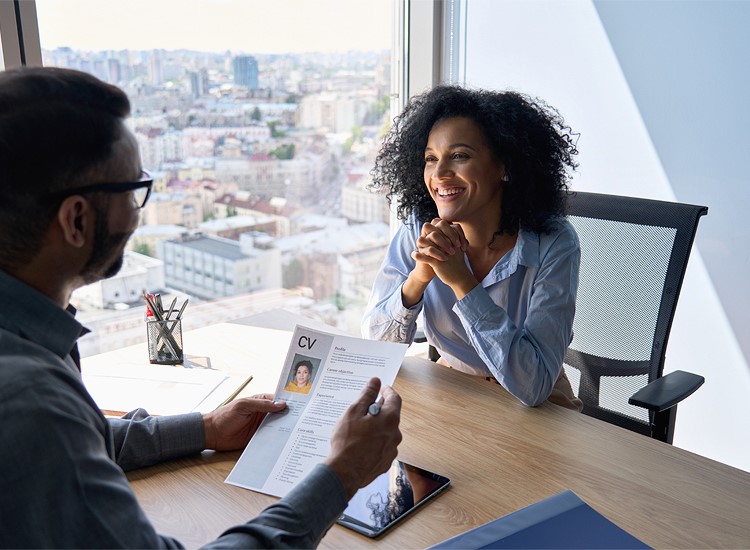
x=485, y=251
x=461, y=174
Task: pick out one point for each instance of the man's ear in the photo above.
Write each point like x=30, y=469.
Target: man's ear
x=74, y=216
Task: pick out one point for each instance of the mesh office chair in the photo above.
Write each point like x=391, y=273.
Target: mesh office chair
x=634, y=253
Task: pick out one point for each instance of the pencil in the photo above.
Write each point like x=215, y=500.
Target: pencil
x=236, y=392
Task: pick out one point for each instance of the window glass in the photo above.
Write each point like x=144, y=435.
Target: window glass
x=259, y=121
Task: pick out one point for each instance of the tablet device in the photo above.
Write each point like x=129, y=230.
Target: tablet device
x=393, y=495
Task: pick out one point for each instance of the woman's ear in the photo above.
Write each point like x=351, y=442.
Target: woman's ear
x=74, y=216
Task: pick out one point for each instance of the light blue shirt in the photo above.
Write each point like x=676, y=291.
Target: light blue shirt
x=514, y=326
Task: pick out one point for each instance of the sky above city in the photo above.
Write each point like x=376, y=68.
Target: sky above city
x=259, y=26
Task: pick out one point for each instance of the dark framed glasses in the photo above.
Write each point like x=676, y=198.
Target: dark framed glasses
x=141, y=189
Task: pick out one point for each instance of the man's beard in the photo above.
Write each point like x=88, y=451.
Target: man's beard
x=106, y=254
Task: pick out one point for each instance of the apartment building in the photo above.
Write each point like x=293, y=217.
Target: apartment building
x=179, y=208
x=137, y=272
x=337, y=261
x=212, y=267
x=359, y=204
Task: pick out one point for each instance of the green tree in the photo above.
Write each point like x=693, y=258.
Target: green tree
x=231, y=210
x=274, y=132
x=256, y=114
x=143, y=248
x=378, y=110
x=283, y=152
x=293, y=274
x=347, y=145
x=355, y=137
x=339, y=301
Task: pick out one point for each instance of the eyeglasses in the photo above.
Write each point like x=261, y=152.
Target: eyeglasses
x=141, y=189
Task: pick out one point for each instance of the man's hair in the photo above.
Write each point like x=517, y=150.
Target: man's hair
x=57, y=127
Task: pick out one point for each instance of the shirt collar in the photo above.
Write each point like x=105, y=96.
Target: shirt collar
x=32, y=315
x=525, y=253
x=527, y=248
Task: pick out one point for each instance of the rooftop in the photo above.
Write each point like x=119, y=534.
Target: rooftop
x=216, y=246
x=234, y=222
x=337, y=239
x=162, y=230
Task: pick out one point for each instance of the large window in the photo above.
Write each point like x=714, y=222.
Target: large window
x=657, y=90
x=260, y=121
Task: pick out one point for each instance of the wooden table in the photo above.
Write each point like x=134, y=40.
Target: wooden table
x=500, y=456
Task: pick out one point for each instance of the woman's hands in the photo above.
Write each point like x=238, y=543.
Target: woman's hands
x=441, y=249
x=440, y=240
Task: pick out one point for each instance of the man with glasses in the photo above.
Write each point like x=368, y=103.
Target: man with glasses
x=71, y=188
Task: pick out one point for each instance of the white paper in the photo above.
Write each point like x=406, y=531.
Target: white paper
x=218, y=359
x=160, y=389
x=288, y=445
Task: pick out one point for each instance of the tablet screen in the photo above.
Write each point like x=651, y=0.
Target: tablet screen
x=393, y=495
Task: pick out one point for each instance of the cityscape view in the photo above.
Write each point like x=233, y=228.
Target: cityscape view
x=261, y=165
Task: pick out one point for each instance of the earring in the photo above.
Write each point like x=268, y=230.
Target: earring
x=506, y=178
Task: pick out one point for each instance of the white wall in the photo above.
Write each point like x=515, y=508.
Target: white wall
x=560, y=51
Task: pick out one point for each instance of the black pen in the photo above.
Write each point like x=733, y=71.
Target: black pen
x=171, y=307
x=184, y=305
x=170, y=330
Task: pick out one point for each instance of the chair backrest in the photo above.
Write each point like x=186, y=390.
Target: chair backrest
x=634, y=253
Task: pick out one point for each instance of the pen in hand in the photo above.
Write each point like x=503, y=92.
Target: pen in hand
x=374, y=409
x=236, y=392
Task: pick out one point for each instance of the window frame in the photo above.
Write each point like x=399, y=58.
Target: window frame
x=19, y=32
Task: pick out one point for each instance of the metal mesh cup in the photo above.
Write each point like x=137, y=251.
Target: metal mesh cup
x=164, y=341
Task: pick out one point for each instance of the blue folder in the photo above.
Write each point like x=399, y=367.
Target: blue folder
x=561, y=521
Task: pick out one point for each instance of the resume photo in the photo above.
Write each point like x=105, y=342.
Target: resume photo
x=301, y=374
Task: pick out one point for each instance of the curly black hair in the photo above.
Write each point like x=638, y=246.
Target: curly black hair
x=528, y=136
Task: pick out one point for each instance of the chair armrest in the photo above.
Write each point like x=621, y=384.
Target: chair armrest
x=665, y=392
x=432, y=352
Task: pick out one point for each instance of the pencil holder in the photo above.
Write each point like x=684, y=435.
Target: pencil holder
x=164, y=341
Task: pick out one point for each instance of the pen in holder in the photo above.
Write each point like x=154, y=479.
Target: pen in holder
x=163, y=334
x=164, y=341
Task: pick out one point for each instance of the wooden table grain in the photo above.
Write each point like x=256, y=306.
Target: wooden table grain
x=500, y=456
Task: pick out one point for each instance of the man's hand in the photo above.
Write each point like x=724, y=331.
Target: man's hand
x=363, y=446
x=231, y=426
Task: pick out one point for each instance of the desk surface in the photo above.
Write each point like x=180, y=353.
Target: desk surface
x=500, y=456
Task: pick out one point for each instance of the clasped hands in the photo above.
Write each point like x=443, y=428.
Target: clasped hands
x=441, y=249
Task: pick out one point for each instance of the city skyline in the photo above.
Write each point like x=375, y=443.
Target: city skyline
x=235, y=25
